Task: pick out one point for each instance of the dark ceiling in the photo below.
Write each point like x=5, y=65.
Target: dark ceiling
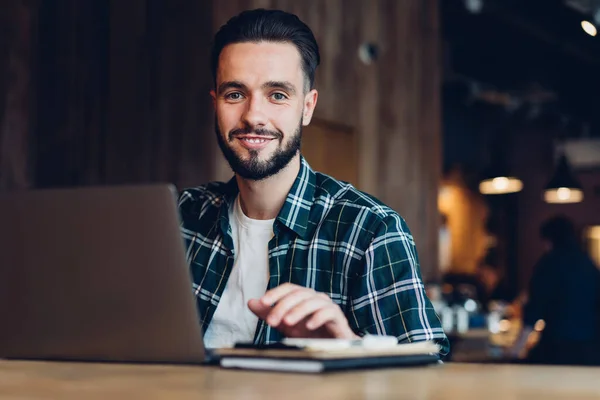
x=527, y=59
x=529, y=51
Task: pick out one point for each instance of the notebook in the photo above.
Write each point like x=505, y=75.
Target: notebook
x=325, y=355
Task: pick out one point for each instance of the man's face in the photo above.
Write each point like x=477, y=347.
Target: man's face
x=261, y=105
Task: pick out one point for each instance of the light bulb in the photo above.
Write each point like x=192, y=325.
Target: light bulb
x=500, y=183
x=563, y=193
x=589, y=28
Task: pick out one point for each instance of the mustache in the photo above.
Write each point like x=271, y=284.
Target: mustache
x=258, y=132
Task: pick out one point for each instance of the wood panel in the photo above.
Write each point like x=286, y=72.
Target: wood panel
x=331, y=149
x=410, y=119
x=71, y=93
x=123, y=95
x=18, y=21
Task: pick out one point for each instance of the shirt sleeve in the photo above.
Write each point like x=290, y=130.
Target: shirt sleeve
x=389, y=296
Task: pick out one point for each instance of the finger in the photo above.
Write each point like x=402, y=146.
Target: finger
x=274, y=295
x=258, y=308
x=320, y=318
x=297, y=331
x=306, y=308
x=285, y=304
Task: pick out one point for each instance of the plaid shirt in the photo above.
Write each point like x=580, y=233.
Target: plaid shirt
x=328, y=236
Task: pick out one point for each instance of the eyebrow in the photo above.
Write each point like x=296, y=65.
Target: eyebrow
x=284, y=85
x=231, y=85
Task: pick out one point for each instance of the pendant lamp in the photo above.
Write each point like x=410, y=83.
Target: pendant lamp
x=563, y=187
x=498, y=180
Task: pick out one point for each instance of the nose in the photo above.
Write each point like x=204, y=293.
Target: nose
x=254, y=114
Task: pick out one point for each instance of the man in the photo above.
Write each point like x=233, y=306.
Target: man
x=281, y=250
x=564, y=292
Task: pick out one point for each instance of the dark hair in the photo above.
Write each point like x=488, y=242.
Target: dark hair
x=271, y=26
x=559, y=230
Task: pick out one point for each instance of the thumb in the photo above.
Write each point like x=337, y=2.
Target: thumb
x=258, y=308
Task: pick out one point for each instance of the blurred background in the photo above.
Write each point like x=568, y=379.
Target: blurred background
x=477, y=120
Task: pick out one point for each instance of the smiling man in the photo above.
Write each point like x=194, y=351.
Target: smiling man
x=281, y=250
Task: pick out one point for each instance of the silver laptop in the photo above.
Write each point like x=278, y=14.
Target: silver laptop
x=96, y=274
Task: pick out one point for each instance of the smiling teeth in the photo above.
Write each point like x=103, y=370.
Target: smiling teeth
x=255, y=140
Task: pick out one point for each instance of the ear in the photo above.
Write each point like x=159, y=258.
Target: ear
x=310, y=102
x=214, y=98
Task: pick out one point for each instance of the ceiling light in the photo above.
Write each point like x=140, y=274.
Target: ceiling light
x=474, y=6
x=500, y=185
x=563, y=188
x=589, y=28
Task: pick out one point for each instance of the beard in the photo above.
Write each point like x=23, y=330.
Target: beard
x=254, y=168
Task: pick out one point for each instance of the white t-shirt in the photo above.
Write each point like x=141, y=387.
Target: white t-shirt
x=233, y=321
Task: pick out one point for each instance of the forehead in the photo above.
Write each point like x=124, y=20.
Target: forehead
x=256, y=63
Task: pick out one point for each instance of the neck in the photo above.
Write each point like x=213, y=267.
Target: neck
x=264, y=199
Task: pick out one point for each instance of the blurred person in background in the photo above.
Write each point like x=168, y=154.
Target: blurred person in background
x=564, y=292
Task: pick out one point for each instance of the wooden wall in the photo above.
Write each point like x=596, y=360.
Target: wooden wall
x=107, y=92
x=18, y=29
x=120, y=95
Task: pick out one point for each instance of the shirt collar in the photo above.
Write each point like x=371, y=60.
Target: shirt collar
x=296, y=209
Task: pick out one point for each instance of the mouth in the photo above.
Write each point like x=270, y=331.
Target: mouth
x=254, y=142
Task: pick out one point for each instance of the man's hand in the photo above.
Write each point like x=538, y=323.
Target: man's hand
x=299, y=312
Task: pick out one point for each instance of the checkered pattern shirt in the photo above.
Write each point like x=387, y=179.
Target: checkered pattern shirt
x=328, y=236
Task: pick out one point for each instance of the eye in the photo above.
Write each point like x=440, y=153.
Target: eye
x=233, y=96
x=278, y=96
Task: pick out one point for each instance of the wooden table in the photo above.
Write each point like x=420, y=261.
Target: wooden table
x=46, y=380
